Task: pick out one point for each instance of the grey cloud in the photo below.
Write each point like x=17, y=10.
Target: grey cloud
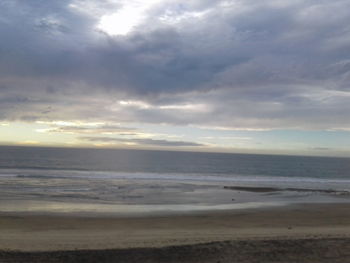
x=115, y=129
x=267, y=64
x=150, y=142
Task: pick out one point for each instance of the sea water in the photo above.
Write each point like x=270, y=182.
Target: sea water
x=66, y=180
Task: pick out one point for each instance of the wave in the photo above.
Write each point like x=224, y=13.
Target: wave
x=37, y=176
x=73, y=174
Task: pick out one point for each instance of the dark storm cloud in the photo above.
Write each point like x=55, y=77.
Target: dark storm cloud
x=254, y=64
x=150, y=142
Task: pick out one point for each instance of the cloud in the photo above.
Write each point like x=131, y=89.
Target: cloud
x=90, y=129
x=321, y=148
x=150, y=142
x=233, y=64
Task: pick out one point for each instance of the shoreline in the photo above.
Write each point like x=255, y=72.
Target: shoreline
x=210, y=212
x=21, y=232
x=300, y=233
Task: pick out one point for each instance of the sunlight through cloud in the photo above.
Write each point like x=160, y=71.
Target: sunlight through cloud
x=124, y=20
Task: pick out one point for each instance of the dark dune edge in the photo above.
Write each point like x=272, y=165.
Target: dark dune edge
x=328, y=250
x=276, y=189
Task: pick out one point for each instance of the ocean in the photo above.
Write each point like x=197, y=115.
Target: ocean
x=137, y=182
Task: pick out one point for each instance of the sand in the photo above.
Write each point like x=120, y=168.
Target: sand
x=253, y=251
x=302, y=233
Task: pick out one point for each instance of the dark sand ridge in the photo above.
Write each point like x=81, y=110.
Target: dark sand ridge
x=291, y=189
x=254, y=251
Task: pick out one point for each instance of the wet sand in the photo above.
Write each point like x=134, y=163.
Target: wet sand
x=296, y=233
x=253, y=251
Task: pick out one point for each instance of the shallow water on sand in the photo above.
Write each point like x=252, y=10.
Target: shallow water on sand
x=45, y=180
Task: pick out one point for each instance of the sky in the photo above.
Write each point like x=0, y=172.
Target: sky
x=267, y=76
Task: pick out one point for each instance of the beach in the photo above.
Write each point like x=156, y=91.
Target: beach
x=155, y=131
x=74, y=205
x=250, y=235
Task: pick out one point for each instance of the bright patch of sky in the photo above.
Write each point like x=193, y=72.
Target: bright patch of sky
x=131, y=14
x=323, y=143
